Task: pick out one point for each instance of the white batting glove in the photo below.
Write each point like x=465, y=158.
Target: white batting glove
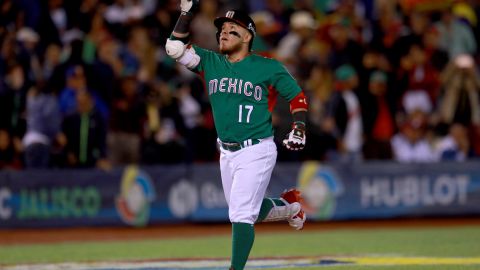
x=296, y=139
x=189, y=5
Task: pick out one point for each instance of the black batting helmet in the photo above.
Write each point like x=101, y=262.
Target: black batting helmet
x=239, y=17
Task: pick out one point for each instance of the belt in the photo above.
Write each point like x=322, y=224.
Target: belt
x=235, y=146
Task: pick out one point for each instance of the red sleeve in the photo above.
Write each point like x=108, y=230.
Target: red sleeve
x=299, y=103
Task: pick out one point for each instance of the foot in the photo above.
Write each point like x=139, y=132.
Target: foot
x=294, y=197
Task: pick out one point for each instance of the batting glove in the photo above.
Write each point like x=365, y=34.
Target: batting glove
x=295, y=140
x=189, y=5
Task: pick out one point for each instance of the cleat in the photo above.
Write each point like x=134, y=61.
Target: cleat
x=294, y=198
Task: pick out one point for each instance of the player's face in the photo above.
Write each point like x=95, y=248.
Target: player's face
x=233, y=38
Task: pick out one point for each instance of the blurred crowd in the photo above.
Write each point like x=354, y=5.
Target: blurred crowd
x=87, y=83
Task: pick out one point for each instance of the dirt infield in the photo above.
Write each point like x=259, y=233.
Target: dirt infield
x=32, y=236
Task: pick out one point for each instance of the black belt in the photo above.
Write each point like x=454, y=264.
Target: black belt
x=235, y=146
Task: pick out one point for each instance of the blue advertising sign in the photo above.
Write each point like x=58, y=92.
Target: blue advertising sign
x=140, y=196
x=386, y=190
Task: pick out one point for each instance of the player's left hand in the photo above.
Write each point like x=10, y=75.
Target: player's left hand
x=189, y=5
x=295, y=139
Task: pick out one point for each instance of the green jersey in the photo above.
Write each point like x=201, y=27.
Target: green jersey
x=243, y=94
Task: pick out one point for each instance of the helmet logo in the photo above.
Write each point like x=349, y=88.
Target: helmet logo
x=230, y=14
x=250, y=27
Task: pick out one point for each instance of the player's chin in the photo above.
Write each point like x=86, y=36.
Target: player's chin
x=224, y=49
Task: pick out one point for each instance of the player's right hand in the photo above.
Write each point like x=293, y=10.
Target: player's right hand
x=189, y=5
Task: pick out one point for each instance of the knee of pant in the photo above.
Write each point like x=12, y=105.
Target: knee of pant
x=250, y=219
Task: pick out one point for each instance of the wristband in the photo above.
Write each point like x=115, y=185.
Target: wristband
x=183, y=23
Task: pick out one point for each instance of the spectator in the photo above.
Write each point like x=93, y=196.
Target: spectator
x=203, y=30
x=191, y=112
x=76, y=83
x=267, y=32
x=82, y=15
x=27, y=54
x=123, y=14
x=125, y=125
x=421, y=81
x=412, y=34
x=96, y=34
x=344, y=49
x=319, y=88
x=12, y=101
x=460, y=100
x=108, y=67
x=302, y=27
x=387, y=30
x=142, y=49
x=51, y=60
x=165, y=127
x=43, y=128
x=281, y=15
x=344, y=115
x=85, y=132
x=355, y=13
x=410, y=144
x=58, y=15
x=374, y=60
x=162, y=21
x=136, y=11
x=455, y=146
x=455, y=37
x=71, y=55
x=422, y=75
x=52, y=23
x=378, y=119
x=435, y=55
x=117, y=15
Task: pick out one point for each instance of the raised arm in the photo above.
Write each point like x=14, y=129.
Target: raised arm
x=177, y=45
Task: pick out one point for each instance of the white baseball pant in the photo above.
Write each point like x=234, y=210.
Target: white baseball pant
x=245, y=176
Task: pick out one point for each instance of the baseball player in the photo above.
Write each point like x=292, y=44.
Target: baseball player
x=242, y=88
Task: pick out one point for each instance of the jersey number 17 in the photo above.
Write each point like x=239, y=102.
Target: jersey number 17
x=241, y=108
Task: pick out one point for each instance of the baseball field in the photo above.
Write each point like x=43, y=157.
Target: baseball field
x=445, y=244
